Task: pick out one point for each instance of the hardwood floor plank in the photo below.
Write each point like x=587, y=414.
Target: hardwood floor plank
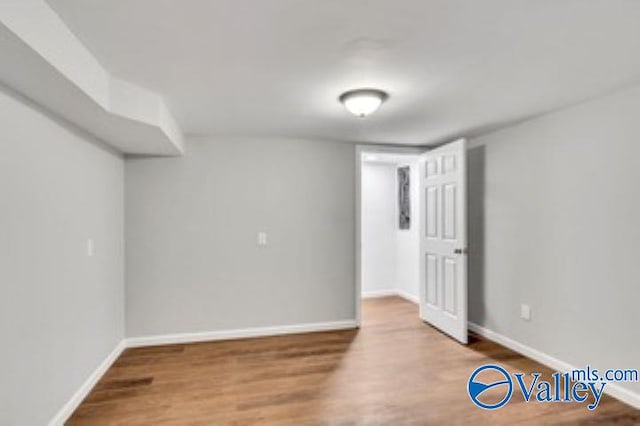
x=395, y=370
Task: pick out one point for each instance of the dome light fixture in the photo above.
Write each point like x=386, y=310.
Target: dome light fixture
x=362, y=102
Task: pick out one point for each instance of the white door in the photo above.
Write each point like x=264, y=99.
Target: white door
x=443, y=239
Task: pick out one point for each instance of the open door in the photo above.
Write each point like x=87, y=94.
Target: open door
x=443, y=239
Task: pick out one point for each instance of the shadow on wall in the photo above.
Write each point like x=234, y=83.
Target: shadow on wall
x=475, y=203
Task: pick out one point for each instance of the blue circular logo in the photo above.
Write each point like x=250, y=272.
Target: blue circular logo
x=476, y=387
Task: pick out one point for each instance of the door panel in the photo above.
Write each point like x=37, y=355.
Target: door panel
x=449, y=281
x=431, y=168
x=443, y=239
x=432, y=279
x=448, y=164
x=449, y=211
x=432, y=212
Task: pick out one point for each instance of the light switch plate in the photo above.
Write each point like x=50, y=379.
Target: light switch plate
x=525, y=312
x=90, y=247
x=262, y=238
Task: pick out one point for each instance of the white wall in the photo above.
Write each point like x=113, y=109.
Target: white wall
x=554, y=222
x=193, y=264
x=379, y=224
x=389, y=254
x=61, y=312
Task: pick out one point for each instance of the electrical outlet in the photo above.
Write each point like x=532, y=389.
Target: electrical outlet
x=262, y=238
x=525, y=312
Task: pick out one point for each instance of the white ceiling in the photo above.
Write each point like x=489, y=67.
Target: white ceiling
x=276, y=67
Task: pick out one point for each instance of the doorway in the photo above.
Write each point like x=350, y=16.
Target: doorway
x=411, y=231
x=388, y=228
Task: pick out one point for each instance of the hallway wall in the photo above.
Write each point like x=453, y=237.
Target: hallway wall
x=389, y=254
x=379, y=227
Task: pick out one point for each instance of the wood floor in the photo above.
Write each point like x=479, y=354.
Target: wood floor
x=395, y=370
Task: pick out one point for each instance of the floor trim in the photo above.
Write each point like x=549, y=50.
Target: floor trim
x=409, y=297
x=134, y=342
x=374, y=294
x=65, y=412
x=391, y=292
x=612, y=389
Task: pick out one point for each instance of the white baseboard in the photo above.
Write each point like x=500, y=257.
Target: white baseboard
x=374, y=294
x=390, y=292
x=134, y=342
x=408, y=296
x=63, y=415
x=613, y=389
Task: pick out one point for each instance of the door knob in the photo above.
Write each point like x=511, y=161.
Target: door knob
x=460, y=251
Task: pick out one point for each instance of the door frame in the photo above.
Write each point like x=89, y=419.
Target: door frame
x=362, y=150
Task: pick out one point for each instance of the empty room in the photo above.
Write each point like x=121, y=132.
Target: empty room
x=319, y=212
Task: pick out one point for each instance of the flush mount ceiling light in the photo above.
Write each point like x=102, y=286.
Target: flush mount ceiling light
x=362, y=102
